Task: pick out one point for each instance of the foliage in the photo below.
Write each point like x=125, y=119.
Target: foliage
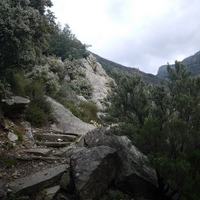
x=49, y=79
x=39, y=111
x=64, y=44
x=164, y=123
x=25, y=27
x=19, y=134
x=129, y=100
x=84, y=110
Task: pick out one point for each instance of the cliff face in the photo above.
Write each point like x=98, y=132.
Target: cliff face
x=99, y=80
x=191, y=62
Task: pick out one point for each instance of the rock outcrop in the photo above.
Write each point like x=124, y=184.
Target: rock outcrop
x=67, y=122
x=106, y=167
x=93, y=170
x=134, y=176
x=192, y=63
x=99, y=80
x=14, y=106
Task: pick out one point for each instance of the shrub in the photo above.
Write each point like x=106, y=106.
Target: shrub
x=36, y=116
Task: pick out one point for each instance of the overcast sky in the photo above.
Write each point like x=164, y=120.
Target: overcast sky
x=144, y=34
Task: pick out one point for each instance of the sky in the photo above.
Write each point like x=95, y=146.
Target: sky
x=144, y=34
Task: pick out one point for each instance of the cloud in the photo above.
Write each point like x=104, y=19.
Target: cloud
x=137, y=33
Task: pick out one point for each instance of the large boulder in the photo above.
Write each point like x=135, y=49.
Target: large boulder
x=93, y=170
x=14, y=106
x=134, y=175
x=67, y=122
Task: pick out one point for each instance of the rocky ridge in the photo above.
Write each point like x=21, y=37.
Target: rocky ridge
x=191, y=62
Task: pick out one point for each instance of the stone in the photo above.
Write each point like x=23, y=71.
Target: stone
x=98, y=78
x=15, y=106
x=67, y=122
x=28, y=134
x=53, y=144
x=80, y=142
x=39, y=151
x=93, y=170
x=65, y=151
x=40, y=180
x=12, y=137
x=134, y=175
x=51, y=137
x=66, y=182
x=51, y=192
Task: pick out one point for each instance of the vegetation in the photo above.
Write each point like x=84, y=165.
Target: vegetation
x=28, y=34
x=64, y=44
x=164, y=123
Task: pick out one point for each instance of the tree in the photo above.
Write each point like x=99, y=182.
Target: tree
x=129, y=100
x=64, y=44
x=25, y=27
x=171, y=135
x=169, y=128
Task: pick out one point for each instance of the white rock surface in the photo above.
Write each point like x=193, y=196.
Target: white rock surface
x=67, y=122
x=12, y=137
x=98, y=78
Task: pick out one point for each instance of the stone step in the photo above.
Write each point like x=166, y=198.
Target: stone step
x=53, y=144
x=57, y=132
x=30, y=158
x=40, y=180
x=55, y=137
x=39, y=151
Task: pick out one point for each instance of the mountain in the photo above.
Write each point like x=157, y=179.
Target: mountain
x=109, y=66
x=191, y=62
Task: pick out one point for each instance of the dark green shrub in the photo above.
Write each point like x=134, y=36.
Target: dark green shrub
x=36, y=116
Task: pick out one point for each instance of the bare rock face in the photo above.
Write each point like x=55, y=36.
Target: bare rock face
x=134, y=176
x=99, y=80
x=93, y=170
x=67, y=122
x=14, y=106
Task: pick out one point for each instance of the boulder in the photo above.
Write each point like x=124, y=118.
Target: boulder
x=15, y=106
x=51, y=192
x=93, y=170
x=67, y=122
x=40, y=180
x=12, y=137
x=134, y=175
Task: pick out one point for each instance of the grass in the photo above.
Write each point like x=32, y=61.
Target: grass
x=7, y=161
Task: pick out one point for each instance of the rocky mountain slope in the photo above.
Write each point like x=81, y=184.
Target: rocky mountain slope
x=191, y=62
x=109, y=66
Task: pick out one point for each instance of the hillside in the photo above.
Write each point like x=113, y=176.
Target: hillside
x=110, y=66
x=192, y=63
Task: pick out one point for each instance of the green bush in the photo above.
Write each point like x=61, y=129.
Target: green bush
x=36, y=116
